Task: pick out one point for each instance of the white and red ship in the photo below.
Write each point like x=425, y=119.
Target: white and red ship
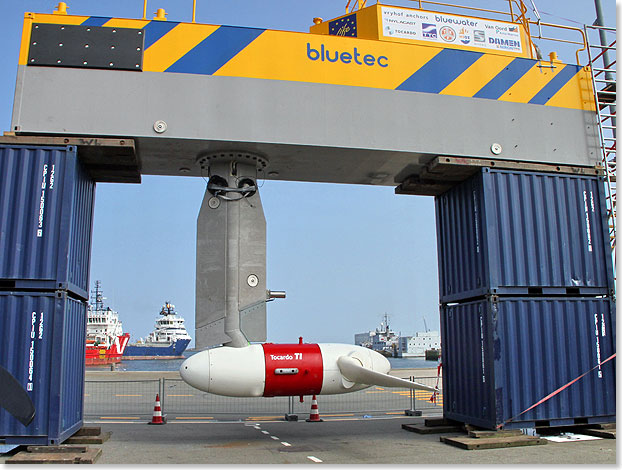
x=105, y=340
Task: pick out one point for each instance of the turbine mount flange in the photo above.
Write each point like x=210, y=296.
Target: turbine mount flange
x=205, y=159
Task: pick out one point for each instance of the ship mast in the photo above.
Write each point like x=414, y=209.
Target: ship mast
x=97, y=296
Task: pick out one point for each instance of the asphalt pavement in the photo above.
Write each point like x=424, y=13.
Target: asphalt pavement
x=376, y=440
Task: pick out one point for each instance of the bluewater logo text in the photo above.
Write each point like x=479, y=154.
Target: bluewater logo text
x=354, y=57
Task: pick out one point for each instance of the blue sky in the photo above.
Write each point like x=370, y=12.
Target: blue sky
x=345, y=254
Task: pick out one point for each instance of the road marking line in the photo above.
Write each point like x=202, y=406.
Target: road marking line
x=275, y=438
x=121, y=395
x=265, y=432
x=345, y=414
x=118, y=417
x=170, y=395
x=194, y=417
x=262, y=417
x=314, y=459
x=394, y=413
x=286, y=444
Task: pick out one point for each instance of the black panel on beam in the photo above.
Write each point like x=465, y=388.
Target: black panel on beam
x=86, y=47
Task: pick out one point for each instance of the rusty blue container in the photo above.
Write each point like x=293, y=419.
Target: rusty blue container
x=46, y=219
x=43, y=337
x=522, y=233
x=501, y=355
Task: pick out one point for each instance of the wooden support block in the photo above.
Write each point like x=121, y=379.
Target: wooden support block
x=470, y=443
x=608, y=426
x=53, y=456
x=441, y=422
x=486, y=434
x=99, y=439
x=422, y=429
x=604, y=433
x=89, y=431
x=56, y=449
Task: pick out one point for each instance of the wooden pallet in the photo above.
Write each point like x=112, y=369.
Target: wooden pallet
x=607, y=431
x=63, y=454
x=89, y=435
x=492, y=440
x=435, y=426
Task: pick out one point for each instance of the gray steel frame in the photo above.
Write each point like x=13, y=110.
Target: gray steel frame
x=307, y=131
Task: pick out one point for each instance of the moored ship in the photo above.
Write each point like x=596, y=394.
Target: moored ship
x=168, y=341
x=383, y=340
x=105, y=340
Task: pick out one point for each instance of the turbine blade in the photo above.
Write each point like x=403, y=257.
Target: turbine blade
x=352, y=370
x=15, y=399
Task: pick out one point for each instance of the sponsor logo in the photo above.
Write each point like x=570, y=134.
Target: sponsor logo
x=345, y=26
x=479, y=35
x=458, y=22
x=504, y=43
x=448, y=34
x=464, y=36
x=429, y=31
x=354, y=57
x=513, y=29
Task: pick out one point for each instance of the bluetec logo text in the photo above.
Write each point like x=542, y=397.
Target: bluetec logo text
x=325, y=54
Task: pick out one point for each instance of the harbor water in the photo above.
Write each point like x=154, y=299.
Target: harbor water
x=174, y=364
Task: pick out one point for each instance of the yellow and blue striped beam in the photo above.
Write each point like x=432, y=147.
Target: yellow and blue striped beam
x=281, y=55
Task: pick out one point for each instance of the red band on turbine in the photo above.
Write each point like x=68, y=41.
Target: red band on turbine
x=293, y=369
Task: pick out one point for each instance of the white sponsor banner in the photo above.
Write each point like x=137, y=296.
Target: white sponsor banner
x=450, y=29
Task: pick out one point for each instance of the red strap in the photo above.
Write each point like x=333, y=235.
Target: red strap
x=557, y=391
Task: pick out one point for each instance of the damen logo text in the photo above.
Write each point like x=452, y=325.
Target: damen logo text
x=346, y=57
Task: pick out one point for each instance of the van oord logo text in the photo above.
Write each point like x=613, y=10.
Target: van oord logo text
x=354, y=57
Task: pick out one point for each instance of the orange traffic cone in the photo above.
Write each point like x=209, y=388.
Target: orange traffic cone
x=157, y=412
x=314, y=416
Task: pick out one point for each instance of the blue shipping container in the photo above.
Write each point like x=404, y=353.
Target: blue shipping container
x=43, y=347
x=503, y=355
x=520, y=233
x=46, y=219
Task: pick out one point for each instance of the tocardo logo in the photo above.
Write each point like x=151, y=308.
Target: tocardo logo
x=354, y=57
x=284, y=357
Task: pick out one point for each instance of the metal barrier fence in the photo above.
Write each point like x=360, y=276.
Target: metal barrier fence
x=120, y=397
x=136, y=398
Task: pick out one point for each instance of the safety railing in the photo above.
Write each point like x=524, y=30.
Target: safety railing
x=116, y=399
x=602, y=52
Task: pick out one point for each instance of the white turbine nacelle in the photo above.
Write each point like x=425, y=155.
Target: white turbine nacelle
x=270, y=370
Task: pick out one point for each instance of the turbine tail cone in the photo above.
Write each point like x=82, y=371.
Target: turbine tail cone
x=353, y=371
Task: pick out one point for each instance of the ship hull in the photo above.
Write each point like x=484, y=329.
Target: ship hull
x=98, y=355
x=150, y=351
